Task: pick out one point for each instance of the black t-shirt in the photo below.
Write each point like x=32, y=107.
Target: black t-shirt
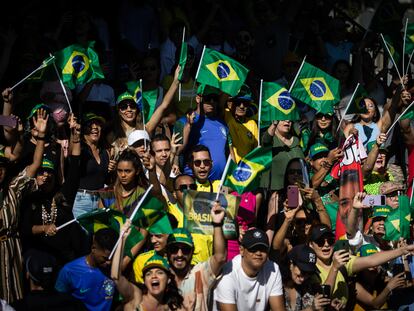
x=92, y=173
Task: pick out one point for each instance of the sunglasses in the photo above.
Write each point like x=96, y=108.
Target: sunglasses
x=321, y=241
x=210, y=98
x=322, y=115
x=292, y=171
x=185, y=249
x=258, y=248
x=392, y=194
x=206, y=162
x=301, y=221
x=186, y=187
x=239, y=103
x=125, y=105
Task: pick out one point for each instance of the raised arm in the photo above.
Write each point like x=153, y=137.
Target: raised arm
x=158, y=113
x=353, y=217
x=373, y=155
x=40, y=123
x=219, y=242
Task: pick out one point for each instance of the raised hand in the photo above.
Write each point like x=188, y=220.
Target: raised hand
x=340, y=258
x=358, y=198
x=217, y=213
x=148, y=160
x=40, y=121
x=381, y=139
x=7, y=95
x=396, y=281
x=175, y=142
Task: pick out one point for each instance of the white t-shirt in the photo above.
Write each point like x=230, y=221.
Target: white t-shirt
x=235, y=287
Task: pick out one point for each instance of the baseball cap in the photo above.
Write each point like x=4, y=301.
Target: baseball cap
x=89, y=116
x=180, y=235
x=367, y=250
x=319, y=231
x=390, y=186
x=254, y=237
x=36, y=108
x=204, y=90
x=41, y=266
x=156, y=261
x=124, y=96
x=137, y=135
x=318, y=150
x=47, y=164
x=304, y=257
x=380, y=211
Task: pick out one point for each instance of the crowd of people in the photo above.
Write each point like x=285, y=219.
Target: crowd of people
x=67, y=152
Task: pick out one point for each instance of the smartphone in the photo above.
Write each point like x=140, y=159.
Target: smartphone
x=397, y=268
x=341, y=245
x=325, y=290
x=8, y=121
x=293, y=196
x=374, y=200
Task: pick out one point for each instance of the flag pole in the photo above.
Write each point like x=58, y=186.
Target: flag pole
x=412, y=191
x=179, y=83
x=62, y=86
x=142, y=111
x=66, y=224
x=223, y=177
x=199, y=64
x=392, y=58
x=409, y=62
x=121, y=234
x=259, y=117
x=43, y=65
x=347, y=107
x=403, y=54
x=399, y=117
x=297, y=74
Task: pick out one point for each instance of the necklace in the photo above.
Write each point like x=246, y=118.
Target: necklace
x=49, y=218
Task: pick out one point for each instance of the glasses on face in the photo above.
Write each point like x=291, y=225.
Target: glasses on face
x=321, y=241
x=321, y=116
x=125, y=105
x=258, y=248
x=174, y=248
x=210, y=98
x=292, y=171
x=206, y=162
x=392, y=194
x=186, y=187
x=301, y=221
x=239, y=103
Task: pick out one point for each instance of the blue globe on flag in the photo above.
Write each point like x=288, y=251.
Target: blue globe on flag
x=223, y=70
x=285, y=100
x=317, y=88
x=243, y=172
x=78, y=63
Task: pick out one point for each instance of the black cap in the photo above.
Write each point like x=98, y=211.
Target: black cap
x=41, y=267
x=319, y=231
x=304, y=257
x=254, y=237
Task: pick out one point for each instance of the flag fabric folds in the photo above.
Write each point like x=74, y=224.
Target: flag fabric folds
x=222, y=72
x=409, y=39
x=79, y=64
x=134, y=88
x=277, y=104
x=392, y=48
x=316, y=88
x=245, y=175
x=183, y=60
x=146, y=101
x=397, y=223
x=357, y=101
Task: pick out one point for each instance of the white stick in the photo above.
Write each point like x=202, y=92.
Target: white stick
x=179, y=84
x=199, y=64
x=142, y=102
x=66, y=224
x=179, y=91
x=297, y=75
x=347, y=107
x=392, y=59
x=62, y=86
x=403, y=54
x=223, y=177
x=43, y=65
x=259, y=117
x=412, y=192
x=409, y=62
x=121, y=234
x=399, y=117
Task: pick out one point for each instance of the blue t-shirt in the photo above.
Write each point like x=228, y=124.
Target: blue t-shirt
x=214, y=134
x=87, y=284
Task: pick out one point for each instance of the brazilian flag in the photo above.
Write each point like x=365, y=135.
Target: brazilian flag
x=409, y=114
x=146, y=101
x=149, y=213
x=357, y=104
x=222, y=72
x=409, y=39
x=183, y=60
x=316, y=88
x=79, y=64
x=392, y=48
x=277, y=104
x=44, y=72
x=134, y=88
x=397, y=223
x=245, y=175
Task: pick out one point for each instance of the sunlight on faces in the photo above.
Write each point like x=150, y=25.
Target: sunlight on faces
x=378, y=227
x=255, y=257
x=179, y=255
x=323, y=247
x=201, y=165
x=380, y=162
x=155, y=280
x=93, y=131
x=181, y=182
x=323, y=121
x=127, y=110
x=162, y=150
x=126, y=172
x=241, y=108
x=159, y=241
x=391, y=199
x=283, y=127
x=139, y=147
x=371, y=110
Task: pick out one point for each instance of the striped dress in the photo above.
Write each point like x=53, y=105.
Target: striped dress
x=10, y=248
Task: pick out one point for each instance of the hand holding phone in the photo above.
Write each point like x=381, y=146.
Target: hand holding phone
x=325, y=290
x=293, y=196
x=9, y=121
x=341, y=245
x=374, y=200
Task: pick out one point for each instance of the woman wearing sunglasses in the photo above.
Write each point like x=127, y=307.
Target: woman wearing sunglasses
x=159, y=291
x=129, y=117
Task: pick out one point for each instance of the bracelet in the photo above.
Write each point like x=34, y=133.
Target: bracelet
x=217, y=224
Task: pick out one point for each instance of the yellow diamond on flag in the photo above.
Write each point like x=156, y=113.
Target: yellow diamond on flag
x=411, y=38
x=317, y=88
x=77, y=65
x=408, y=217
x=246, y=171
x=223, y=71
x=282, y=101
x=396, y=224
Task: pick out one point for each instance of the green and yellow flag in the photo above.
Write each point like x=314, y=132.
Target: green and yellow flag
x=146, y=101
x=357, y=104
x=392, y=48
x=183, y=60
x=245, y=175
x=316, y=88
x=409, y=40
x=134, y=88
x=222, y=72
x=277, y=104
x=151, y=211
x=397, y=224
x=79, y=64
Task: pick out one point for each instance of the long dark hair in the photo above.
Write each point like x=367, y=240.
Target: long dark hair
x=315, y=132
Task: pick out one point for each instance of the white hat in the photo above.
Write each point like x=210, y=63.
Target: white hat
x=137, y=135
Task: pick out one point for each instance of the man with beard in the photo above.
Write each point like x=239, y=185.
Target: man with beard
x=86, y=278
x=194, y=281
x=250, y=281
